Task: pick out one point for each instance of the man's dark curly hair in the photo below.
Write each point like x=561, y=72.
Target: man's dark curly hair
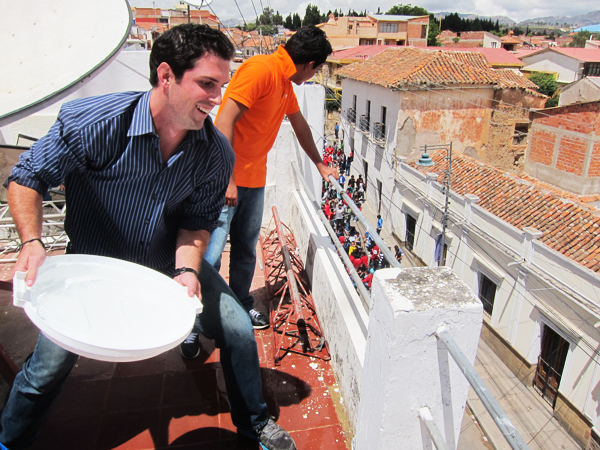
x=309, y=44
x=181, y=46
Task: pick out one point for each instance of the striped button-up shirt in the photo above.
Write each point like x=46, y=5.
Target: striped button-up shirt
x=123, y=201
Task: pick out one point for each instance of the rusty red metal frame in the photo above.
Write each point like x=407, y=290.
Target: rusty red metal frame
x=294, y=322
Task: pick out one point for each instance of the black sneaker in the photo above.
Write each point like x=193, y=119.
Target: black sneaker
x=190, y=348
x=273, y=437
x=258, y=319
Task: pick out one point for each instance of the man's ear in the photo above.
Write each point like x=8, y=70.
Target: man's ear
x=311, y=65
x=165, y=74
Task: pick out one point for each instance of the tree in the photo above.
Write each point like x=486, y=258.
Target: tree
x=288, y=22
x=296, y=22
x=407, y=10
x=547, y=85
x=312, y=16
x=266, y=18
x=266, y=30
x=580, y=38
x=434, y=31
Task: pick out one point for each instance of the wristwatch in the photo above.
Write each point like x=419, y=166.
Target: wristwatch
x=183, y=270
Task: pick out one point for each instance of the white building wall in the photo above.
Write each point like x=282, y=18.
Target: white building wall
x=489, y=39
x=550, y=61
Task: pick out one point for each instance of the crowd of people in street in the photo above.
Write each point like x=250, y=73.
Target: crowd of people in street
x=363, y=252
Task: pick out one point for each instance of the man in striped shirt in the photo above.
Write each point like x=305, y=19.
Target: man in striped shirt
x=145, y=175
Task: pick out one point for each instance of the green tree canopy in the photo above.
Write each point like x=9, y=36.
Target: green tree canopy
x=546, y=83
x=407, y=10
x=312, y=16
x=580, y=38
x=296, y=22
x=434, y=31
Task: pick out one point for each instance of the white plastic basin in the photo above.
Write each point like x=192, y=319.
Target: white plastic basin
x=105, y=308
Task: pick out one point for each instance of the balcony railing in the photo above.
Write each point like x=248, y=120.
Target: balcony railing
x=351, y=115
x=378, y=133
x=364, y=124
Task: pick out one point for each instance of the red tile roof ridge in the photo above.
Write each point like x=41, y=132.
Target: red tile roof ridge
x=563, y=219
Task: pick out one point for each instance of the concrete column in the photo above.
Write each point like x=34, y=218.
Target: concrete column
x=529, y=235
x=406, y=367
x=517, y=303
x=470, y=200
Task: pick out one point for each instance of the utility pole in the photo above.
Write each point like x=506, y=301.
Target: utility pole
x=447, y=180
x=425, y=160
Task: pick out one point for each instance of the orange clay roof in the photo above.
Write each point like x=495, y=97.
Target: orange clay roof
x=569, y=226
x=398, y=67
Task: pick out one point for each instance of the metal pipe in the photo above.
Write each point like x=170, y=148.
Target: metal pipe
x=382, y=245
x=434, y=431
x=442, y=261
x=294, y=293
x=364, y=295
x=509, y=431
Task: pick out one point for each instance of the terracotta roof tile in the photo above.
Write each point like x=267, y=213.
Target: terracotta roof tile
x=568, y=224
x=398, y=67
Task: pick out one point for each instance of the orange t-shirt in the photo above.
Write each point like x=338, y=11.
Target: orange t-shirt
x=262, y=85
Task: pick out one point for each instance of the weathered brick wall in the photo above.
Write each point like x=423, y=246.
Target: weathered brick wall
x=571, y=154
x=414, y=30
x=542, y=147
x=472, y=35
x=594, y=170
x=583, y=118
x=511, y=106
x=564, y=148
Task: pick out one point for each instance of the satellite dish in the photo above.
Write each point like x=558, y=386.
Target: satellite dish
x=54, y=47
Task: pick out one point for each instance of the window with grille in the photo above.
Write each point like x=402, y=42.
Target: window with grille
x=388, y=27
x=591, y=70
x=487, y=293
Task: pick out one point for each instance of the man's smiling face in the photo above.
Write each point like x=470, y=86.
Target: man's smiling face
x=193, y=97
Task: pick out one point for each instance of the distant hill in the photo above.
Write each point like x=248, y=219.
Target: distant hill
x=232, y=22
x=591, y=18
x=502, y=20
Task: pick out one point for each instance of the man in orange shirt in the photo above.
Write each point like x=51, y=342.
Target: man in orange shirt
x=257, y=98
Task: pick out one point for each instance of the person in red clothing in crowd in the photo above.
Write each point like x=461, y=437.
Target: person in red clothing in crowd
x=357, y=261
x=375, y=256
x=342, y=239
x=327, y=210
x=368, y=279
x=364, y=259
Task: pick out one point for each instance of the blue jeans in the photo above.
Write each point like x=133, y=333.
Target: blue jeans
x=242, y=224
x=223, y=319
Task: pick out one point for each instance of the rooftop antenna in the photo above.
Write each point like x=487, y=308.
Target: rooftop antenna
x=195, y=5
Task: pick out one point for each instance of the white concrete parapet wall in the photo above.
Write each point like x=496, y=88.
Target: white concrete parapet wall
x=406, y=367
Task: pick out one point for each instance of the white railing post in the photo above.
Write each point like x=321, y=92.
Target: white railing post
x=406, y=368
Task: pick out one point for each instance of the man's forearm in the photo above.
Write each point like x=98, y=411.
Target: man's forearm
x=191, y=246
x=25, y=205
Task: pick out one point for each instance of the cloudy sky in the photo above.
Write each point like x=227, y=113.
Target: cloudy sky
x=515, y=9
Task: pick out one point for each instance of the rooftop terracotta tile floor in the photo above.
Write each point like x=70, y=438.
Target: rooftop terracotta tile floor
x=170, y=403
